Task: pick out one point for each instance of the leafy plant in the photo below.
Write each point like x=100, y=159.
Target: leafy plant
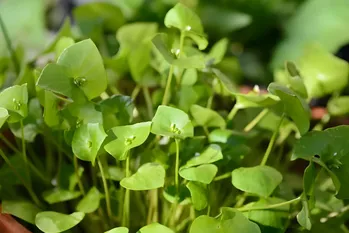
x=83, y=151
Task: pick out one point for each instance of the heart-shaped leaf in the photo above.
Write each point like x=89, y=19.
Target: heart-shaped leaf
x=259, y=180
x=148, y=176
x=294, y=106
x=230, y=221
x=127, y=137
x=53, y=222
x=202, y=173
x=90, y=202
x=172, y=122
x=198, y=194
x=212, y=154
x=155, y=228
x=87, y=140
x=338, y=106
x=21, y=209
x=3, y=116
x=60, y=195
x=206, y=117
x=118, y=230
x=15, y=100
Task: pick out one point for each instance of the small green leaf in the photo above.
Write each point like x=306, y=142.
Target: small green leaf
x=51, y=112
x=259, y=180
x=90, y=202
x=338, y=106
x=113, y=173
x=229, y=221
x=198, y=195
x=309, y=179
x=202, y=173
x=53, y=222
x=15, y=100
x=60, y=195
x=148, y=176
x=295, y=79
x=132, y=34
x=189, y=78
x=255, y=100
x=126, y=138
x=206, y=117
x=172, y=122
x=118, y=230
x=21, y=209
x=217, y=51
x=303, y=217
x=226, y=86
x=155, y=228
x=87, y=140
x=3, y=116
x=294, y=106
x=62, y=44
x=212, y=154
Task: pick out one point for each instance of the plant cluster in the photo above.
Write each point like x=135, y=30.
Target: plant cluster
x=169, y=157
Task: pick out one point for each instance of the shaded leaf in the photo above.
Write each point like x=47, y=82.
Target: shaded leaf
x=190, y=77
x=206, y=117
x=3, y=116
x=15, y=100
x=211, y=154
x=303, y=217
x=21, y=209
x=198, y=195
x=60, y=195
x=218, y=51
x=90, y=202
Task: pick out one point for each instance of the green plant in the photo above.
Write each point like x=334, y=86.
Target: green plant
x=85, y=156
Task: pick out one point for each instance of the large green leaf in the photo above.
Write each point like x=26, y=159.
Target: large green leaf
x=338, y=106
x=198, y=195
x=148, y=176
x=331, y=147
x=53, y=222
x=155, y=228
x=15, y=100
x=230, y=221
x=211, y=154
x=294, y=106
x=259, y=180
x=206, y=117
x=90, y=202
x=3, y=116
x=202, y=173
x=126, y=138
x=21, y=209
x=172, y=122
x=87, y=140
x=118, y=230
x=60, y=195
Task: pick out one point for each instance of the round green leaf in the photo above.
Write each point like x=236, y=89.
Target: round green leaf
x=206, y=117
x=126, y=138
x=85, y=69
x=118, y=230
x=294, y=106
x=211, y=154
x=148, y=176
x=53, y=222
x=172, y=122
x=3, y=116
x=259, y=180
x=202, y=173
x=90, y=202
x=338, y=106
x=198, y=195
x=60, y=195
x=87, y=140
x=155, y=228
x=15, y=100
x=21, y=209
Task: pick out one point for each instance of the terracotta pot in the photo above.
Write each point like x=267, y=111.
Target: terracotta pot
x=9, y=225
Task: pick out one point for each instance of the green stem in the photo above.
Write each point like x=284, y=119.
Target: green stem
x=256, y=120
x=165, y=99
x=24, y=150
x=26, y=185
x=222, y=177
x=106, y=190
x=272, y=141
x=76, y=168
x=135, y=92
x=9, y=46
x=125, y=219
x=181, y=44
x=177, y=165
x=232, y=113
x=148, y=102
x=274, y=206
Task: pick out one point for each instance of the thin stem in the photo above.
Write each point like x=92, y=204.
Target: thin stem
x=272, y=141
x=274, y=206
x=135, y=92
x=256, y=120
x=177, y=165
x=24, y=150
x=76, y=168
x=148, y=102
x=181, y=44
x=165, y=99
x=222, y=177
x=106, y=190
x=9, y=46
x=26, y=185
x=232, y=113
x=125, y=219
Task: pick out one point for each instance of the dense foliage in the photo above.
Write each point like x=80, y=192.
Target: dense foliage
x=135, y=117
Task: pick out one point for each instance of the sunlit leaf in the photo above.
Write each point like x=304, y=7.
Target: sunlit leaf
x=53, y=222
x=15, y=100
x=338, y=106
x=3, y=116
x=118, y=230
x=203, y=173
x=198, y=195
x=212, y=154
x=90, y=202
x=206, y=117
x=60, y=195
x=155, y=228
